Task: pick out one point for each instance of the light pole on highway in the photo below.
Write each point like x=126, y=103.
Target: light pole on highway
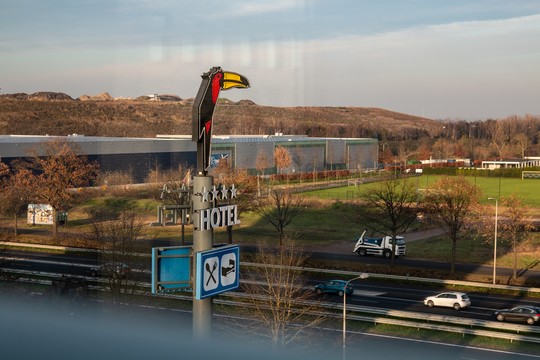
x=361, y=276
x=495, y=242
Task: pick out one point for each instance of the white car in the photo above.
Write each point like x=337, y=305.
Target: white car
x=456, y=300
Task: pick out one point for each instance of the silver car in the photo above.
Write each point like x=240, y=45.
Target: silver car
x=456, y=300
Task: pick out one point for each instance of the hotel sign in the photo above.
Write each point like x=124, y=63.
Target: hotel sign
x=218, y=217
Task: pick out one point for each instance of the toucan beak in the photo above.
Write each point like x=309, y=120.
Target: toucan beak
x=232, y=80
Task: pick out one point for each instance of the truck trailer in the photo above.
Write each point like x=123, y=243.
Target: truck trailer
x=379, y=246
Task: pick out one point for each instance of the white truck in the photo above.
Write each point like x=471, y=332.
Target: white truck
x=379, y=246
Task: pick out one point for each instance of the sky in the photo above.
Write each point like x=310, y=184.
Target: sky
x=441, y=59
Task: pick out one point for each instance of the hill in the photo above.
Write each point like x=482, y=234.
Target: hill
x=59, y=114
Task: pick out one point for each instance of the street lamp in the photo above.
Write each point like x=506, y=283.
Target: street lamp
x=495, y=243
x=361, y=276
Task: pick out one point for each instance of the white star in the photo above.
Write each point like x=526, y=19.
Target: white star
x=233, y=192
x=224, y=193
x=215, y=193
x=204, y=194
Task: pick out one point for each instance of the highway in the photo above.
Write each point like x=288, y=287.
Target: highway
x=343, y=252
x=410, y=298
x=159, y=321
x=369, y=292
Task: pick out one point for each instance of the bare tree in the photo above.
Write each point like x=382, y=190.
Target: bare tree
x=500, y=137
x=17, y=192
x=119, y=241
x=440, y=149
x=299, y=158
x=244, y=185
x=523, y=141
x=282, y=208
x=392, y=206
x=262, y=162
x=279, y=296
x=449, y=203
x=514, y=225
x=58, y=168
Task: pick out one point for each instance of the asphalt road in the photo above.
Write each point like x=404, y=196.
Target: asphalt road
x=367, y=293
x=62, y=341
x=344, y=250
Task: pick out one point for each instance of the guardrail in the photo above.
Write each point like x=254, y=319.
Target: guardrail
x=413, y=278
x=512, y=332
x=327, y=271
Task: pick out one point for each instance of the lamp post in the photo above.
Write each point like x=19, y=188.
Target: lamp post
x=361, y=276
x=495, y=243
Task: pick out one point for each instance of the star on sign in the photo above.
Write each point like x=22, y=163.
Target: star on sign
x=204, y=194
x=215, y=193
x=224, y=193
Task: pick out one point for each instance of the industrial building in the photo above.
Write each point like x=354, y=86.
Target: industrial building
x=141, y=155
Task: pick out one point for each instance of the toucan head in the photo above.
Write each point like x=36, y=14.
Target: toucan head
x=232, y=80
x=203, y=108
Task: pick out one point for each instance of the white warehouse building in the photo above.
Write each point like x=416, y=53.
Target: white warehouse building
x=141, y=155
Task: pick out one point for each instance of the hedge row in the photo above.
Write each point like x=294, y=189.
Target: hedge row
x=504, y=172
x=326, y=175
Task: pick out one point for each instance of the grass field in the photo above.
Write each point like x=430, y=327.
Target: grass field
x=323, y=221
x=527, y=189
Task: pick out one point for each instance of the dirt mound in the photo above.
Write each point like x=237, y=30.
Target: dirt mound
x=101, y=97
x=42, y=95
x=49, y=95
x=146, y=116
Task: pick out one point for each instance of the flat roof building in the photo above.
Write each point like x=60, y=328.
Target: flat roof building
x=511, y=163
x=141, y=155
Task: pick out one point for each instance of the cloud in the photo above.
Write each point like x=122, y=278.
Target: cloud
x=257, y=7
x=459, y=69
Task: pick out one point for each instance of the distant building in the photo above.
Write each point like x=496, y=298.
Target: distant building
x=307, y=154
x=139, y=156
x=511, y=163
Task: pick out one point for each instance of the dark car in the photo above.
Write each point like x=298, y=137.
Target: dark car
x=110, y=269
x=334, y=287
x=528, y=314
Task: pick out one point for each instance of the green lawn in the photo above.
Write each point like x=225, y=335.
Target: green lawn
x=527, y=189
x=320, y=222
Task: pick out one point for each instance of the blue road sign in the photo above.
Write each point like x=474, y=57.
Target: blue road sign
x=171, y=268
x=218, y=271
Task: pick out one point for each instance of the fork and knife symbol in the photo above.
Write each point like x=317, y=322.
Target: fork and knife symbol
x=211, y=272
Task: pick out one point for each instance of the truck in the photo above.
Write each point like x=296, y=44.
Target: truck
x=379, y=246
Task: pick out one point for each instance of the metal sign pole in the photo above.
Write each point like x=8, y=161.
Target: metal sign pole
x=204, y=104
x=202, y=240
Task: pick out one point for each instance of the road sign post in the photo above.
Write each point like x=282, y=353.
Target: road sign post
x=202, y=241
x=202, y=118
x=217, y=271
x=171, y=268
